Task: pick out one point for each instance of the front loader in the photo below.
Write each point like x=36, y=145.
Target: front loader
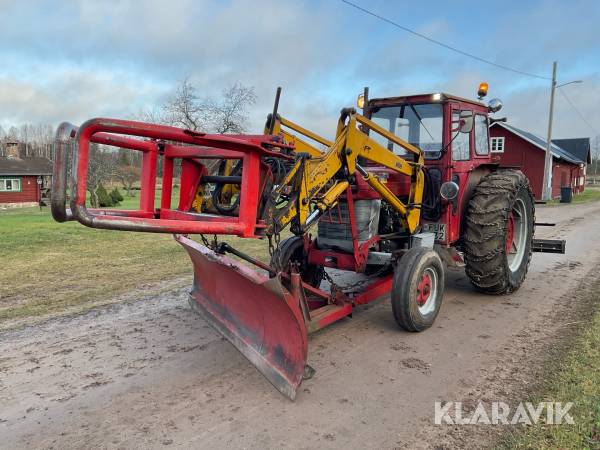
x=401, y=191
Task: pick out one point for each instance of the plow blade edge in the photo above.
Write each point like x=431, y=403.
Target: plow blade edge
x=256, y=314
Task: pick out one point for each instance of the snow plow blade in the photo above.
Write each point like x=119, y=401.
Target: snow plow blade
x=254, y=312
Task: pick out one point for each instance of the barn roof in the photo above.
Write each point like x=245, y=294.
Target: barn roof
x=25, y=166
x=578, y=147
x=541, y=143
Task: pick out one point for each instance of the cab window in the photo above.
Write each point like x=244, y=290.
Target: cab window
x=461, y=143
x=482, y=141
x=421, y=125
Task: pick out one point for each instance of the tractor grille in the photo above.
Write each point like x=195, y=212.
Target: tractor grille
x=334, y=229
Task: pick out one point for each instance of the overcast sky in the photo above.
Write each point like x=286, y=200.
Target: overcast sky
x=73, y=60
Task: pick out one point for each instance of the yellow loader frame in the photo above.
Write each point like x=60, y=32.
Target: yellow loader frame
x=317, y=179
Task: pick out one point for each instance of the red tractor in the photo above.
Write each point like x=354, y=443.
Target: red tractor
x=404, y=189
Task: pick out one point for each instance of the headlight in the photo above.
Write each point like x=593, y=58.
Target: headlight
x=449, y=190
x=360, y=101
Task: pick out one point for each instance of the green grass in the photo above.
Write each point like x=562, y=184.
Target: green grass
x=134, y=202
x=590, y=194
x=577, y=380
x=51, y=268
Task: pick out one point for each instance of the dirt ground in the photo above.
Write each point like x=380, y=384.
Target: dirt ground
x=149, y=373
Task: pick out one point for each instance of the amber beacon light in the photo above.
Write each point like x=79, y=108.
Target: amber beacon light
x=483, y=90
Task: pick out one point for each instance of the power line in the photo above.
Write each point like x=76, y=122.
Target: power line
x=441, y=44
x=579, y=112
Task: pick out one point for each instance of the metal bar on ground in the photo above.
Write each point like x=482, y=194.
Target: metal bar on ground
x=548, y=246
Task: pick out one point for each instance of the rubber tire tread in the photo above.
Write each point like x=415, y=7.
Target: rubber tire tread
x=291, y=249
x=407, y=275
x=485, y=228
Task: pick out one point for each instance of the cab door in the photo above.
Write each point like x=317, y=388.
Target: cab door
x=461, y=154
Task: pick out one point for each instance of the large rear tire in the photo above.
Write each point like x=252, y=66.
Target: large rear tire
x=291, y=250
x=499, y=226
x=418, y=289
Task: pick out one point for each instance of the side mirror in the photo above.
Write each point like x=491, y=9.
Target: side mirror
x=495, y=105
x=465, y=122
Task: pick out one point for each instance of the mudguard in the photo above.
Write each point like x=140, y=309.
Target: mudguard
x=254, y=312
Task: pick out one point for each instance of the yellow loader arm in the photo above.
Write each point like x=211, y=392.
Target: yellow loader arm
x=317, y=179
x=300, y=145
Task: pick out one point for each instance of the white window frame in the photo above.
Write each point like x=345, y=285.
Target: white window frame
x=497, y=144
x=12, y=184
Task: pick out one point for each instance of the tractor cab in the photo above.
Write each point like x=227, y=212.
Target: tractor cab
x=453, y=133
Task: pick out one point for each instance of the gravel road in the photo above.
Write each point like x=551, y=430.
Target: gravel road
x=150, y=374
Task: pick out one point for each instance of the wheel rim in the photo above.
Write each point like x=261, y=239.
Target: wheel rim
x=516, y=235
x=427, y=291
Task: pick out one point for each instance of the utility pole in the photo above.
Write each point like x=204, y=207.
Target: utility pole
x=547, y=191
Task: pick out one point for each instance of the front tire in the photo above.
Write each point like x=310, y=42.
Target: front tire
x=418, y=289
x=499, y=230
x=291, y=250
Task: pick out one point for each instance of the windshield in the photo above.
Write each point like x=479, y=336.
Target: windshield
x=420, y=125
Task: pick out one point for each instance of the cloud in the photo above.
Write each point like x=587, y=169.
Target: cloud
x=70, y=94
x=529, y=109
x=110, y=45
x=78, y=59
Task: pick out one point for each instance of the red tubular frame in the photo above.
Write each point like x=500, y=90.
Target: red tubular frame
x=187, y=145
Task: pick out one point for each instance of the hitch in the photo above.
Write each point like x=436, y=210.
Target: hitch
x=549, y=246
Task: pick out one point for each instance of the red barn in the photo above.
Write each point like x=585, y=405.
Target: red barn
x=526, y=151
x=22, y=181
x=582, y=150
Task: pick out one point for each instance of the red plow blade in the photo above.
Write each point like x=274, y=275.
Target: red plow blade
x=254, y=312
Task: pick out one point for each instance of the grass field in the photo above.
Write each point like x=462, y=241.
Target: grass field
x=590, y=194
x=51, y=268
x=575, y=379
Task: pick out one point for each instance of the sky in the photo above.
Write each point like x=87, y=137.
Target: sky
x=74, y=60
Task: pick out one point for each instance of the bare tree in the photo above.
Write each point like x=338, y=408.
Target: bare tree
x=128, y=175
x=34, y=139
x=231, y=114
x=185, y=109
x=12, y=134
x=595, y=150
x=156, y=114
x=101, y=168
x=24, y=137
x=228, y=114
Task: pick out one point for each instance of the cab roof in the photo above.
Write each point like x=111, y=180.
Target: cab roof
x=424, y=98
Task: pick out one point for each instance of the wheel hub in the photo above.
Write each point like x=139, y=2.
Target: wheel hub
x=424, y=289
x=510, y=232
x=516, y=235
